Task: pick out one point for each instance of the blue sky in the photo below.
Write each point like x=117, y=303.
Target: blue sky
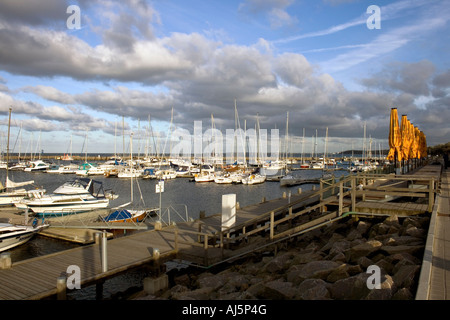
x=131, y=60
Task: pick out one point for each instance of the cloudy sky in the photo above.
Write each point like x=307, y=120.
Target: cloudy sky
x=130, y=63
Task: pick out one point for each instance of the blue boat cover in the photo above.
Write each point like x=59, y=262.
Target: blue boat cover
x=118, y=215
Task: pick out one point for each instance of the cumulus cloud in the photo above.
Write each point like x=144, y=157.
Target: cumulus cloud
x=275, y=11
x=146, y=75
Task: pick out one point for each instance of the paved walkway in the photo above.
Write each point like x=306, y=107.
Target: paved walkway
x=434, y=282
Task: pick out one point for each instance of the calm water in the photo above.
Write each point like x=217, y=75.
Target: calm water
x=179, y=193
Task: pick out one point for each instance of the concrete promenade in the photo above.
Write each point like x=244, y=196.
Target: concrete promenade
x=434, y=282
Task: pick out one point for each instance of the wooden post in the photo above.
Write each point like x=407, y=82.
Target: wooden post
x=353, y=185
x=205, y=247
x=5, y=260
x=272, y=220
x=333, y=190
x=431, y=195
x=341, y=197
x=221, y=244
x=364, y=184
x=61, y=285
x=321, y=191
x=199, y=237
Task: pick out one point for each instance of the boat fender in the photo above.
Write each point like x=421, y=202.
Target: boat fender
x=34, y=223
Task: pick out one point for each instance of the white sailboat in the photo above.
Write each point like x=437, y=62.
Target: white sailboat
x=254, y=179
x=12, y=191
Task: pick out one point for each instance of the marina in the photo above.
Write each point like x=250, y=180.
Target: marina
x=203, y=241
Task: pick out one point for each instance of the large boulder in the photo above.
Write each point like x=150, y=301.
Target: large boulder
x=313, y=289
x=386, y=290
x=406, y=276
x=278, y=290
x=352, y=288
x=413, y=250
x=362, y=250
x=317, y=269
x=208, y=280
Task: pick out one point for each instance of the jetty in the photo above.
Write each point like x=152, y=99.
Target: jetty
x=212, y=240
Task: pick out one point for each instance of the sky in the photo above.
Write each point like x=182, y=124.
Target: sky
x=87, y=78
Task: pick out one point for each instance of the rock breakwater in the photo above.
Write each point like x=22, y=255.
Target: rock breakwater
x=327, y=263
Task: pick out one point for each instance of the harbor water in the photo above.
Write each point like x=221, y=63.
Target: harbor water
x=181, y=195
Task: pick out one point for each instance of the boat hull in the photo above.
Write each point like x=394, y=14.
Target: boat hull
x=16, y=238
x=67, y=209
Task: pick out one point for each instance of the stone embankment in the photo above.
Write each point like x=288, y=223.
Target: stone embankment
x=327, y=263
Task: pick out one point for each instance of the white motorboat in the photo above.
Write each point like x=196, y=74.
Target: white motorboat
x=37, y=165
x=63, y=169
x=89, y=169
x=76, y=196
x=13, y=235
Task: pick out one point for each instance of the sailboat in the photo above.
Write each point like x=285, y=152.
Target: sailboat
x=120, y=214
x=10, y=193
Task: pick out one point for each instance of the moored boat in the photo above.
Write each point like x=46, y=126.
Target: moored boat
x=12, y=235
x=254, y=179
x=37, y=165
x=126, y=215
x=76, y=196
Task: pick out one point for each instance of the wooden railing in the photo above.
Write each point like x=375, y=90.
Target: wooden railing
x=360, y=186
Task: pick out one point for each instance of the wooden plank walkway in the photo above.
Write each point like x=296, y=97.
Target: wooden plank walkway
x=36, y=278
x=434, y=282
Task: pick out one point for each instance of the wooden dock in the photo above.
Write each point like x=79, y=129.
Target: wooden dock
x=434, y=281
x=204, y=243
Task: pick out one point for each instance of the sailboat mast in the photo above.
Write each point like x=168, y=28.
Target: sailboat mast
x=7, y=148
x=131, y=164
x=303, y=145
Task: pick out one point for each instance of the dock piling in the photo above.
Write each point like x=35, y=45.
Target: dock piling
x=5, y=260
x=61, y=285
x=104, y=241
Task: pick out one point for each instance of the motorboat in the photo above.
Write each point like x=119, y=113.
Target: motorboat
x=37, y=165
x=63, y=169
x=12, y=235
x=89, y=169
x=79, y=195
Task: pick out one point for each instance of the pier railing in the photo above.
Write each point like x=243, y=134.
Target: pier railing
x=334, y=200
